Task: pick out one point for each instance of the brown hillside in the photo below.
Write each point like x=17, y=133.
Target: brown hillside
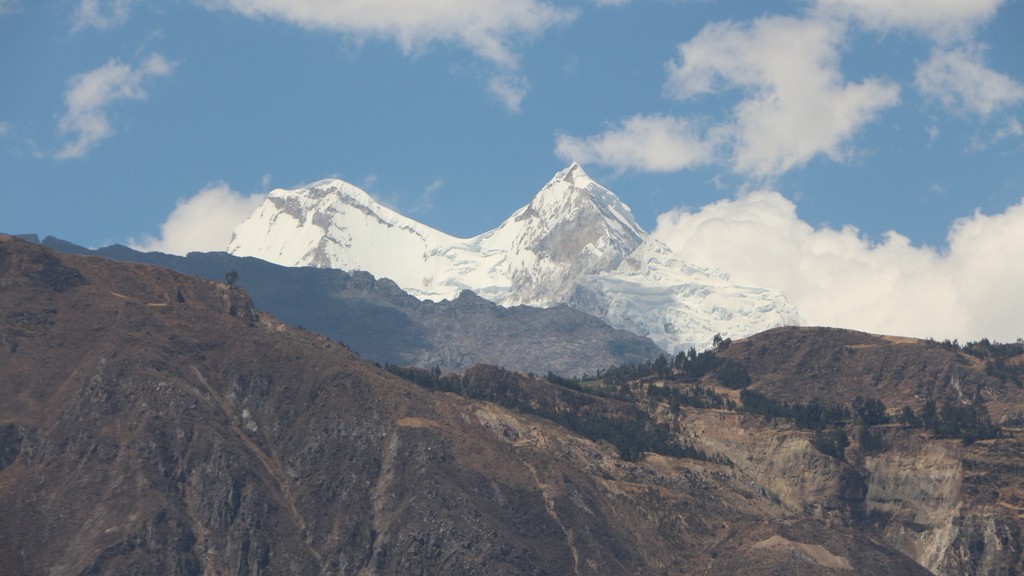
x=154, y=423
x=834, y=365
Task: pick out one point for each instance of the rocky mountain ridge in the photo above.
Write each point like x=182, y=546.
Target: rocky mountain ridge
x=575, y=243
x=385, y=324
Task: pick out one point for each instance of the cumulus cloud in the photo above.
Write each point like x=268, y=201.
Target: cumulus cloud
x=89, y=94
x=647, y=143
x=960, y=81
x=488, y=28
x=201, y=223
x=837, y=277
x=101, y=14
x=797, y=103
x=943, y=20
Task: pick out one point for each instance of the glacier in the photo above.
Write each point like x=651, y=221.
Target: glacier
x=576, y=243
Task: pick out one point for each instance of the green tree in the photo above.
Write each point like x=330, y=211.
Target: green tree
x=733, y=374
x=929, y=415
x=870, y=412
x=661, y=366
x=909, y=419
x=870, y=442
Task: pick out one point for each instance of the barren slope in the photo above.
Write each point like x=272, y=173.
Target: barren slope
x=155, y=423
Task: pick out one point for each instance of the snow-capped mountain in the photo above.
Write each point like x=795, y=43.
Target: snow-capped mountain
x=677, y=305
x=333, y=224
x=575, y=243
x=572, y=228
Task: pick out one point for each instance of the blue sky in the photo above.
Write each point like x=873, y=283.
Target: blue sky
x=815, y=127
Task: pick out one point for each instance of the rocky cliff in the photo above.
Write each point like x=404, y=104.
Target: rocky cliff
x=953, y=508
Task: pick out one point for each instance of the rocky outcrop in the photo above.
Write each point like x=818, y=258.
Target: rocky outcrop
x=914, y=495
x=954, y=509
x=779, y=462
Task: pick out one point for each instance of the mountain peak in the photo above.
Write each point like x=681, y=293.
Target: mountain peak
x=571, y=172
x=571, y=193
x=575, y=242
x=334, y=224
x=334, y=188
x=572, y=176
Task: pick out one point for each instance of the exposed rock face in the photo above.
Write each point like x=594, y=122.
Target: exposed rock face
x=153, y=423
x=387, y=325
x=779, y=462
x=947, y=506
x=955, y=509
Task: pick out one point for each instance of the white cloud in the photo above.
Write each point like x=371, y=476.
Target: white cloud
x=102, y=14
x=489, y=28
x=980, y=143
x=839, y=278
x=797, y=103
x=943, y=20
x=510, y=89
x=959, y=80
x=1013, y=129
x=4, y=129
x=434, y=186
x=201, y=223
x=986, y=265
x=9, y=7
x=90, y=93
x=425, y=202
x=647, y=143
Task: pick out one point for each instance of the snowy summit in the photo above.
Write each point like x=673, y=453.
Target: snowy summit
x=575, y=243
